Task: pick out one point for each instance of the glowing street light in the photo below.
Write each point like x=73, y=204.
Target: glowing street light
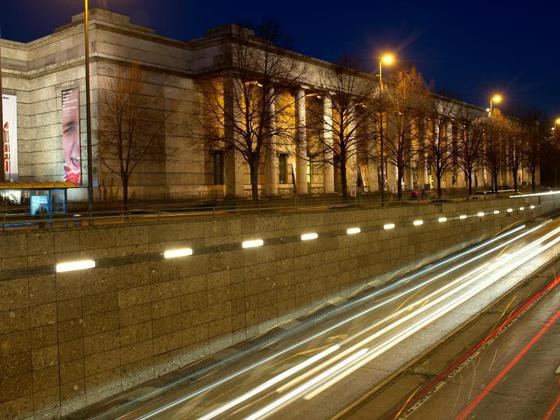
x=496, y=99
x=387, y=59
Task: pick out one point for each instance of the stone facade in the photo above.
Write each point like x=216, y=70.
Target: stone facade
x=68, y=340
x=38, y=71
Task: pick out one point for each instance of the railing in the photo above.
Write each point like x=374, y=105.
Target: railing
x=295, y=204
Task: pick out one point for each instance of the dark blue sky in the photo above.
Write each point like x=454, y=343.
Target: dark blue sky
x=470, y=47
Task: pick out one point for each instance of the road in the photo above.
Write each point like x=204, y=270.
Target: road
x=315, y=369
x=512, y=372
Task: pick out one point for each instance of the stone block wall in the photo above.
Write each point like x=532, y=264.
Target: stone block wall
x=68, y=340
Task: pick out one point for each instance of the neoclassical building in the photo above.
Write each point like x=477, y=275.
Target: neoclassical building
x=44, y=78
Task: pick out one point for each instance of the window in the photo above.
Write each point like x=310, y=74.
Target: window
x=218, y=167
x=283, y=168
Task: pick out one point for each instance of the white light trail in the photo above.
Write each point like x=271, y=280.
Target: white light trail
x=480, y=214
x=463, y=217
x=271, y=382
x=301, y=389
x=535, y=194
x=442, y=219
x=375, y=306
x=496, y=211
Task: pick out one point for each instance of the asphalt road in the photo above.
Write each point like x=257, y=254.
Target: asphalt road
x=325, y=367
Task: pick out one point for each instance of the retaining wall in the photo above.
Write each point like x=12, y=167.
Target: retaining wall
x=68, y=340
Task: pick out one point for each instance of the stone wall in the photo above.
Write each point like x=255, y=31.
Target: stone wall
x=70, y=339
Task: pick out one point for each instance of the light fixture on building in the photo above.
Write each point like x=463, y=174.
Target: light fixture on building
x=253, y=243
x=418, y=222
x=463, y=217
x=532, y=207
x=442, y=219
x=521, y=208
x=74, y=266
x=510, y=210
x=480, y=214
x=389, y=226
x=309, y=236
x=353, y=230
x=496, y=211
x=177, y=253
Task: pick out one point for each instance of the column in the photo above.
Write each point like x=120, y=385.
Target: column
x=328, y=168
x=271, y=154
x=373, y=167
x=423, y=181
x=301, y=143
x=233, y=161
x=352, y=157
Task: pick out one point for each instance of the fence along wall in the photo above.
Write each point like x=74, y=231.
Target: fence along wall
x=70, y=339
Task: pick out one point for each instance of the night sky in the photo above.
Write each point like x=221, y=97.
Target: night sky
x=471, y=48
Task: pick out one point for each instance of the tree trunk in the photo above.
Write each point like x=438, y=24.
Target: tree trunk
x=468, y=175
x=124, y=181
x=343, y=178
x=254, y=175
x=533, y=177
x=439, y=176
x=399, y=184
x=515, y=186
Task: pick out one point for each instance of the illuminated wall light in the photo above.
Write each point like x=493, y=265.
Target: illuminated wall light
x=532, y=207
x=510, y=210
x=177, y=253
x=463, y=217
x=309, y=236
x=480, y=214
x=353, y=230
x=253, y=243
x=389, y=226
x=74, y=266
x=496, y=211
x=442, y=219
x=418, y=222
x=521, y=208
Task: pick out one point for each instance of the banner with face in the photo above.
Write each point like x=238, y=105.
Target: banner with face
x=9, y=125
x=71, y=135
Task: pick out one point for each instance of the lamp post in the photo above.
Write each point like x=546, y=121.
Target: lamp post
x=387, y=59
x=496, y=99
x=88, y=110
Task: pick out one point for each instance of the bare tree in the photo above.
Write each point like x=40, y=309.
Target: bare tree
x=241, y=110
x=515, y=138
x=130, y=128
x=343, y=136
x=439, y=147
x=493, y=145
x=404, y=99
x=535, y=137
x=470, y=144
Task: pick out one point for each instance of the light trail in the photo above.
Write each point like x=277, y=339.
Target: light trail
x=290, y=395
x=394, y=285
x=271, y=382
x=500, y=268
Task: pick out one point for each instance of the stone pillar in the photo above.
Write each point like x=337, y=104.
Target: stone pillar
x=233, y=161
x=352, y=161
x=373, y=167
x=328, y=169
x=271, y=154
x=301, y=143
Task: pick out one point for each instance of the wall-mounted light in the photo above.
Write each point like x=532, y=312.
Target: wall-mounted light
x=253, y=243
x=442, y=219
x=418, y=222
x=389, y=226
x=177, y=253
x=353, y=230
x=74, y=266
x=480, y=214
x=309, y=236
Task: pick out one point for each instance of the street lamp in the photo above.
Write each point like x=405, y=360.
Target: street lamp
x=496, y=99
x=88, y=110
x=386, y=59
